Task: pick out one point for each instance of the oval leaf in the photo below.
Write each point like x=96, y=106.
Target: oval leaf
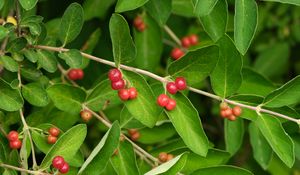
x=226, y=77
x=67, y=145
x=294, y=2
x=224, y=170
x=72, y=57
x=71, y=23
x=186, y=121
x=35, y=94
x=234, y=139
x=67, y=98
x=11, y=99
x=9, y=63
x=204, y=7
x=28, y=4
x=278, y=139
x=47, y=60
x=159, y=10
x=124, y=5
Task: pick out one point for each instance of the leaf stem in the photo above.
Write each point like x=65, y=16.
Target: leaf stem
x=163, y=80
x=22, y=170
x=172, y=35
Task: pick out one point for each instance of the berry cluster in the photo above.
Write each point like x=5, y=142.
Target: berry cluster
x=164, y=101
x=75, y=74
x=59, y=163
x=230, y=113
x=179, y=84
x=139, y=24
x=164, y=157
x=86, y=115
x=186, y=42
x=118, y=83
x=134, y=134
x=53, y=133
x=14, y=141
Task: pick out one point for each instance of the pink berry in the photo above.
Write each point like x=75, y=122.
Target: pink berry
x=120, y=84
x=16, y=144
x=237, y=111
x=123, y=94
x=13, y=135
x=54, y=131
x=132, y=93
x=172, y=88
x=162, y=100
x=176, y=53
x=114, y=75
x=193, y=39
x=80, y=74
x=185, y=42
x=58, y=162
x=171, y=104
x=65, y=168
x=180, y=83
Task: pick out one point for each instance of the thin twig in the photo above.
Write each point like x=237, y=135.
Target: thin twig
x=64, y=73
x=172, y=35
x=163, y=80
x=22, y=170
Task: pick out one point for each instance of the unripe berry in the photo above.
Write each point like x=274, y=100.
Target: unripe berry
x=118, y=84
x=51, y=139
x=65, y=168
x=86, y=115
x=193, y=39
x=171, y=104
x=54, y=131
x=237, y=111
x=132, y=131
x=72, y=74
x=163, y=156
x=114, y=75
x=132, y=93
x=15, y=144
x=137, y=21
x=170, y=156
x=80, y=74
x=135, y=136
x=162, y=100
x=13, y=135
x=223, y=106
x=58, y=162
x=122, y=138
x=176, y=53
x=172, y=88
x=180, y=83
x=123, y=94
x=185, y=42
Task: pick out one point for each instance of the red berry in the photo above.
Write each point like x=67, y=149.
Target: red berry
x=180, y=83
x=231, y=117
x=171, y=88
x=118, y=84
x=13, y=135
x=185, y=42
x=141, y=27
x=132, y=131
x=73, y=74
x=227, y=112
x=223, y=114
x=223, y=106
x=176, y=53
x=51, y=139
x=171, y=104
x=86, y=115
x=15, y=144
x=237, y=111
x=65, y=168
x=170, y=156
x=58, y=162
x=114, y=75
x=162, y=100
x=193, y=39
x=132, y=93
x=137, y=21
x=163, y=156
x=80, y=74
x=124, y=94
x=54, y=131
x=135, y=136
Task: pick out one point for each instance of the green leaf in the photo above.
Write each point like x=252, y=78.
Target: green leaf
x=3, y=31
x=196, y=65
x=31, y=55
x=149, y=46
x=96, y=8
x=245, y=24
x=35, y=94
x=100, y=95
x=171, y=167
x=71, y=23
x=156, y=134
x=204, y=7
x=287, y=94
x=186, y=121
x=47, y=60
x=278, y=139
x=183, y=8
x=294, y=2
x=226, y=77
x=159, y=10
x=262, y=152
x=214, y=157
x=9, y=63
x=124, y=161
x=234, y=134
x=224, y=170
x=273, y=61
x=216, y=22
x=144, y=107
x=67, y=145
x=11, y=99
x=30, y=73
x=99, y=157
x=254, y=83
x=16, y=45
x=72, y=57
x=124, y=5
x=66, y=97
x=1, y=4
x=124, y=49
x=28, y=4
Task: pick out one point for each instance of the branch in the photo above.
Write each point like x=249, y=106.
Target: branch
x=258, y=109
x=22, y=170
